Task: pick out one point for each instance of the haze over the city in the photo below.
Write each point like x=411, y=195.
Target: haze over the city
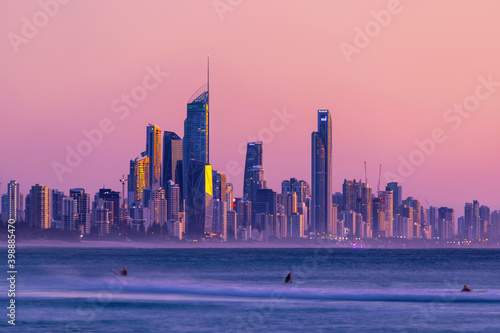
x=266, y=58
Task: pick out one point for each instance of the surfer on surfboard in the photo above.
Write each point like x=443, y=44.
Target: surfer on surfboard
x=465, y=288
x=288, y=278
x=123, y=272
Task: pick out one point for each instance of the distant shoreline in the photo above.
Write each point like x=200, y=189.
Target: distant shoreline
x=235, y=245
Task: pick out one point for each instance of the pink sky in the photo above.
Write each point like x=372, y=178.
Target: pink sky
x=265, y=56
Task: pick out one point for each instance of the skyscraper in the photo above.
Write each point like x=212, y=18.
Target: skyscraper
x=417, y=222
x=14, y=207
x=138, y=179
x=467, y=232
x=113, y=197
x=379, y=220
x=153, y=150
x=83, y=208
x=387, y=197
x=229, y=196
x=173, y=196
x=472, y=220
x=257, y=181
x=446, y=223
x=265, y=202
x=57, y=205
x=172, y=155
x=485, y=221
x=199, y=203
x=495, y=224
x=70, y=213
x=244, y=213
x=39, y=215
x=101, y=216
x=219, y=225
x=197, y=180
x=476, y=220
x=350, y=194
x=298, y=187
x=397, y=192
x=321, y=177
x=253, y=158
x=195, y=144
x=219, y=185
x=365, y=206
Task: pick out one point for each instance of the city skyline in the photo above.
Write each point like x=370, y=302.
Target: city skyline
x=301, y=210
x=380, y=103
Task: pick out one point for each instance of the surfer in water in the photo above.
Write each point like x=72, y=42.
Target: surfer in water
x=288, y=278
x=123, y=272
x=465, y=288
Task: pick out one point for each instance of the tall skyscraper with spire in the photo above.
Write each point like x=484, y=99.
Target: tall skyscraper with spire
x=197, y=182
x=321, y=175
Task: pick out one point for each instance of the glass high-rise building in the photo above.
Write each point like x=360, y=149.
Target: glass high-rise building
x=172, y=155
x=138, y=179
x=195, y=143
x=197, y=181
x=321, y=175
x=253, y=158
x=153, y=150
x=199, y=200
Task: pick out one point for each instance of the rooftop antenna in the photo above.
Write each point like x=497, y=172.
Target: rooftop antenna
x=208, y=75
x=366, y=176
x=379, y=175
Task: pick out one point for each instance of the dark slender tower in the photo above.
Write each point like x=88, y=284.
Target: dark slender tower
x=253, y=158
x=321, y=175
x=172, y=154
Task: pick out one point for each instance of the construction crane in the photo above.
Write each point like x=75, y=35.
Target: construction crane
x=379, y=175
x=123, y=180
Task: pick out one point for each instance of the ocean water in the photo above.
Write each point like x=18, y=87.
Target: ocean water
x=242, y=290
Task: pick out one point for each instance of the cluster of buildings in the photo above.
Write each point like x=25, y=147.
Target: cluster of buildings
x=362, y=214
x=173, y=191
